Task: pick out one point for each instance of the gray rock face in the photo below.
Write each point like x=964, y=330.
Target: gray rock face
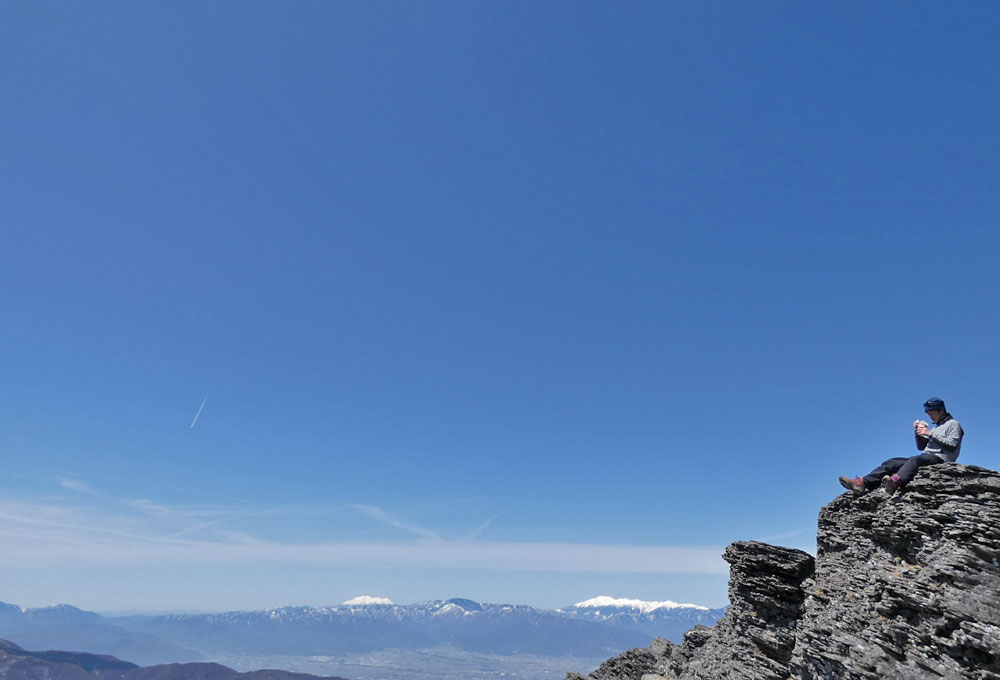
x=765, y=590
x=907, y=586
x=904, y=586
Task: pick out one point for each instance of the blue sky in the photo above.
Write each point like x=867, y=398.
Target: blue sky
x=522, y=302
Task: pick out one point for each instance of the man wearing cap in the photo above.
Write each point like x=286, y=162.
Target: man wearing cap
x=940, y=444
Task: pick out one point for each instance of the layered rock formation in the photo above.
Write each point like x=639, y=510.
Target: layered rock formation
x=904, y=586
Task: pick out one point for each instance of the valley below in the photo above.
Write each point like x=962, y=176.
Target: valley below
x=437, y=663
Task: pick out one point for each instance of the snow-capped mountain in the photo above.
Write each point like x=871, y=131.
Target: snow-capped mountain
x=363, y=624
x=658, y=619
x=358, y=627
x=612, y=603
x=365, y=600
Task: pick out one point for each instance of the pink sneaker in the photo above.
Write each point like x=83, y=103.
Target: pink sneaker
x=855, y=484
x=890, y=484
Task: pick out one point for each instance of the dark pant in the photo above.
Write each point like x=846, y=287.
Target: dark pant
x=904, y=467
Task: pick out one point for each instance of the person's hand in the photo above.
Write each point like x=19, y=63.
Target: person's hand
x=922, y=428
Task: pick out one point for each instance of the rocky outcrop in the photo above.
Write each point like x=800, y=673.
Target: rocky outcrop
x=904, y=586
x=907, y=586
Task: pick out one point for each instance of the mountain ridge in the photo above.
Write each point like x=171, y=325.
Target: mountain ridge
x=68, y=627
x=360, y=625
x=625, y=603
x=17, y=663
x=463, y=623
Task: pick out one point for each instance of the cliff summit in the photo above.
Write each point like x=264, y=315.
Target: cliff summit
x=903, y=586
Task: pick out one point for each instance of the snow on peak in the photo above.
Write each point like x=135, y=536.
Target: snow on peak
x=450, y=608
x=644, y=607
x=365, y=600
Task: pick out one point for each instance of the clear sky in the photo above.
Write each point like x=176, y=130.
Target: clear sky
x=521, y=302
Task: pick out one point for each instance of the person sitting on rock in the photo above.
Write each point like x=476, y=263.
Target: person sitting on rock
x=940, y=444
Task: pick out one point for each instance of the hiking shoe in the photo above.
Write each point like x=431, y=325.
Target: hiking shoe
x=857, y=485
x=890, y=484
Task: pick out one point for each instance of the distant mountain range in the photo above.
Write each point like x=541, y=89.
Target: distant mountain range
x=66, y=627
x=17, y=663
x=590, y=628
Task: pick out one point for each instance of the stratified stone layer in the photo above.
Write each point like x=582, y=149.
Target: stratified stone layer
x=907, y=586
x=904, y=586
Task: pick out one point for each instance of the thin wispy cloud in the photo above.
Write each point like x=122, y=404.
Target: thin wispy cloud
x=76, y=485
x=478, y=531
x=196, y=415
x=137, y=518
x=143, y=505
x=217, y=522
x=381, y=515
x=149, y=506
x=45, y=534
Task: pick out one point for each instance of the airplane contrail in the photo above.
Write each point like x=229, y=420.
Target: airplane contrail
x=199, y=412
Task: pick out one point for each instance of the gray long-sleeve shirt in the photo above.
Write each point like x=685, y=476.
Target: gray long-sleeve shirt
x=944, y=441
